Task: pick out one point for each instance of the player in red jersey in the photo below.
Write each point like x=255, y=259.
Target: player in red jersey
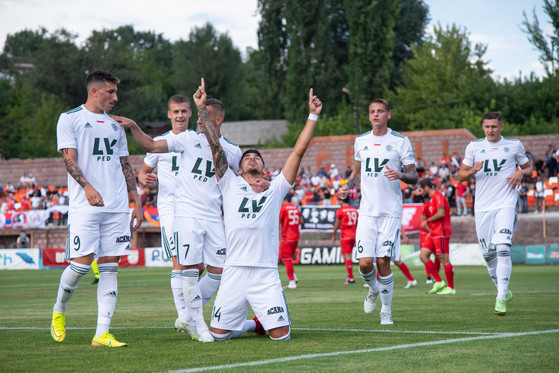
x=346, y=220
x=290, y=219
x=422, y=235
x=437, y=223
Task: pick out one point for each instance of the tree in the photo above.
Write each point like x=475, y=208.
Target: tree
x=445, y=84
x=549, y=49
x=213, y=56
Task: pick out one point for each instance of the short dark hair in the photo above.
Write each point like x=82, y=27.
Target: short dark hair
x=425, y=183
x=493, y=115
x=380, y=101
x=217, y=105
x=101, y=76
x=346, y=199
x=178, y=99
x=252, y=151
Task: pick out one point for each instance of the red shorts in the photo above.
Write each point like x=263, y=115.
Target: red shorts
x=287, y=249
x=346, y=244
x=437, y=245
x=422, y=236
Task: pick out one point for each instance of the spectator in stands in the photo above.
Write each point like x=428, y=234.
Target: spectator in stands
x=455, y=159
x=444, y=171
x=462, y=209
x=315, y=180
x=523, y=198
x=408, y=194
x=9, y=188
x=433, y=169
x=539, y=194
x=551, y=161
x=539, y=166
x=450, y=195
x=333, y=173
x=420, y=166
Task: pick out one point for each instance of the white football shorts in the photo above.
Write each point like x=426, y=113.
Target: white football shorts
x=167, y=236
x=378, y=237
x=100, y=233
x=199, y=241
x=495, y=227
x=257, y=287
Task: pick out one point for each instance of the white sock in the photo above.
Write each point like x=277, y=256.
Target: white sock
x=504, y=271
x=192, y=295
x=386, y=286
x=491, y=262
x=284, y=338
x=178, y=297
x=370, y=279
x=69, y=282
x=107, y=292
x=249, y=326
x=208, y=286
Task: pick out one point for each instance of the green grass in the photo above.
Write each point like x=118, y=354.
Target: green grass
x=329, y=326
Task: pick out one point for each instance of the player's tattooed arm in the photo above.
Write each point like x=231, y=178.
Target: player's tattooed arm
x=220, y=159
x=409, y=176
x=128, y=174
x=354, y=180
x=70, y=157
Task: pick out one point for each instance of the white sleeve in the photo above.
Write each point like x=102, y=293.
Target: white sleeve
x=407, y=157
x=123, y=148
x=176, y=144
x=469, y=156
x=65, y=134
x=151, y=160
x=356, y=156
x=521, y=158
x=226, y=181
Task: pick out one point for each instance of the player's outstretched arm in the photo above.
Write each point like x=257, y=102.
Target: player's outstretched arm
x=146, y=142
x=132, y=192
x=354, y=180
x=70, y=157
x=294, y=160
x=220, y=159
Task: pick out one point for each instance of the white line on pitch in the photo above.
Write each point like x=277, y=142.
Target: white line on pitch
x=519, y=292
x=299, y=329
x=379, y=349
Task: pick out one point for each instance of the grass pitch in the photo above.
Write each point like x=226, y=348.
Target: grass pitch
x=330, y=331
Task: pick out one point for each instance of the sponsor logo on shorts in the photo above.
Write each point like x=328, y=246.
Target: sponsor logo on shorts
x=281, y=318
x=388, y=243
x=505, y=231
x=123, y=239
x=275, y=310
x=220, y=252
x=110, y=294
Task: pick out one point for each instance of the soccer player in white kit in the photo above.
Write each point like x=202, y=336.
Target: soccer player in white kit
x=100, y=179
x=379, y=156
x=493, y=161
x=168, y=169
x=250, y=276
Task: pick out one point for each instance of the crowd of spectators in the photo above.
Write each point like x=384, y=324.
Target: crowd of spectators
x=319, y=187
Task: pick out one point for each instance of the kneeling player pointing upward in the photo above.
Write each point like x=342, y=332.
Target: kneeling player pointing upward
x=250, y=275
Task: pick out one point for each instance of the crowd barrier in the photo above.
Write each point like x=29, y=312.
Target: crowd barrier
x=460, y=254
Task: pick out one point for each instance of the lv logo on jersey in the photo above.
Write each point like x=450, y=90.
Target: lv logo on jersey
x=249, y=210
x=197, y=171
x=496, y=167
x=108, y=151
x=378, y=165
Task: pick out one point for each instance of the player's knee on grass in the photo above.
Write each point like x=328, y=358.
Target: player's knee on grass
x=221, y=337
x=280, y=334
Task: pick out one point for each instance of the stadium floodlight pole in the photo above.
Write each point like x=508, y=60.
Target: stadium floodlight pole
x=355, y=109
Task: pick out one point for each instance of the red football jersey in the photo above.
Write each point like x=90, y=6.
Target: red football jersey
x=424, y=212
x=348, y=218
x=289, y=222
x=441, y=227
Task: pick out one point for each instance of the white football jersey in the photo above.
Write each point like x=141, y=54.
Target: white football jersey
x=252, y=220
x=99, y=142
x=167, y=176
x=499, y=162
x=197, y=194
x=379, y=195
